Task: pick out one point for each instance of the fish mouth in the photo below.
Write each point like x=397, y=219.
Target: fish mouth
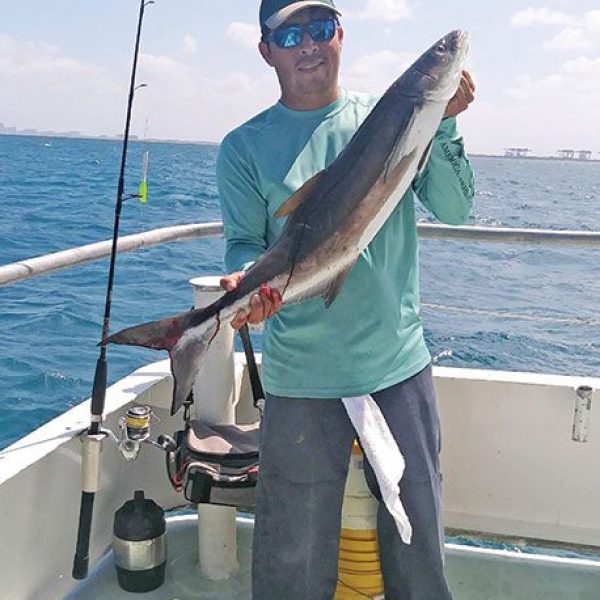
x=461, y=43
x=426, y=75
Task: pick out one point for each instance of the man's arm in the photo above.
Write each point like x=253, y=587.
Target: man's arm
x=243, y=208
x=446, y=185
x=244, y=212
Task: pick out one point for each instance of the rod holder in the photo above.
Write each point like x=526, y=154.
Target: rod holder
x=583, y=410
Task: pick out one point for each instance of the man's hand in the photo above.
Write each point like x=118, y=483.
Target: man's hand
x=463, y=97
x=263, y=305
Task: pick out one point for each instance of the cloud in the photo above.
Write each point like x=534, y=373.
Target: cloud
x=25, y=57
x=381, y=10
x=182, y=102
x=591, y=21
x=189, y=44
x=577, y=33
x=164, y=73
x=375, y=72
x=570, y=38
x=531, y=17
x=541, y=111
x=246, y=35
x=45, y=89
x=576, y=82
x=583, y=67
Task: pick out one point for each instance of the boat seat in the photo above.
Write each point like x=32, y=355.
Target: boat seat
x=215, y=464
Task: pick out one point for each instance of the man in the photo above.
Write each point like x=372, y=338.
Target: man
x=369, y=341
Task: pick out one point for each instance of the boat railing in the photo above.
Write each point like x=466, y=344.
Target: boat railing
x=48, y=263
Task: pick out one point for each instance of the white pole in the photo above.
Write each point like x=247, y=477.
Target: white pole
x=214, y=402
x=214, y=392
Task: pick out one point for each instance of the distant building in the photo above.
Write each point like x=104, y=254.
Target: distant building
x=572, y=154
x=516, y=152
x=566, y=153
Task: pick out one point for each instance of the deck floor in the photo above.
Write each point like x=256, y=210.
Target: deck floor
x=473, y=573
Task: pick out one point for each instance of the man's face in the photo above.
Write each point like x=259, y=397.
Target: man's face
x=310, y=70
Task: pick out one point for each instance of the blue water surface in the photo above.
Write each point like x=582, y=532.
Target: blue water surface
x=58, y=193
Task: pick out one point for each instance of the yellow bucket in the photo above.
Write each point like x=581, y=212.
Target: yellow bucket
x=359, y=568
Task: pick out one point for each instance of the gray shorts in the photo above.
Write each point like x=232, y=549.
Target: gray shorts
x=304, y=456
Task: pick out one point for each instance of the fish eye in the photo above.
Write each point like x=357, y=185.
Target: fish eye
x=441, y=48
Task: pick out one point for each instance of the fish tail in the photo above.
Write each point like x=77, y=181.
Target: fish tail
x=160, y=335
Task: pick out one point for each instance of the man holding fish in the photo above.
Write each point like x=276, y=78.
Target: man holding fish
x=337, y=283
x=369, y=340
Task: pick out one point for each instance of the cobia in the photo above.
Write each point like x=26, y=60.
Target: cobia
x=332, y=217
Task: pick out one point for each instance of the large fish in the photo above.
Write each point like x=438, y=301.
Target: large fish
x=332, y=217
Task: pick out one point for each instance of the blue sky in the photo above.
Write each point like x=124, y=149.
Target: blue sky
x=64, y=65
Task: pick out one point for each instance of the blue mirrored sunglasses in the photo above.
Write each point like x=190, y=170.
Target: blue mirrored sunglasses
x=292, y=36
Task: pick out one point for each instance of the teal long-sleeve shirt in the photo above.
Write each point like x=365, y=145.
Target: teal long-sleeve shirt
x=371, y=337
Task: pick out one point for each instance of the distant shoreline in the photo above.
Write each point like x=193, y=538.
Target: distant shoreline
x=66, y=136
x=554, y=158
x=105, y=138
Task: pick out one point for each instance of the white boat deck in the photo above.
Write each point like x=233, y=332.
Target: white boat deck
x=474, y=573
x=501, y=475
x=183, y=580
x=520, y=459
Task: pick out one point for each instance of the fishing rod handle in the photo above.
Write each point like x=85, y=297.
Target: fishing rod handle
x=82, y=547
x=90, y=484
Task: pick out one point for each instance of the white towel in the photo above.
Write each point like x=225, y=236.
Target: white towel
x=383, y=454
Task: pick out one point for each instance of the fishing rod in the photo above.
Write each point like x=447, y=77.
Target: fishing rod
x=93, y=437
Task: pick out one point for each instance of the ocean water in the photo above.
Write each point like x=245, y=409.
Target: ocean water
x=509, y=307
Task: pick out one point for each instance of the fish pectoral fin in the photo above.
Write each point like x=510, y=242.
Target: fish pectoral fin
x=400, y=150
x=298, y=197
x=333, y=289
x=425, y=158
x=399, y=169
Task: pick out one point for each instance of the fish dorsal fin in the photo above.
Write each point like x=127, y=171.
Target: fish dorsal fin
x=335, y=286
x=298, y=197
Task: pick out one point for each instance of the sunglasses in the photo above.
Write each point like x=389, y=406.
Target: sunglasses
x=292, y=36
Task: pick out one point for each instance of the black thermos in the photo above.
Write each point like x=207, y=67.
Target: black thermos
x=139, y=544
